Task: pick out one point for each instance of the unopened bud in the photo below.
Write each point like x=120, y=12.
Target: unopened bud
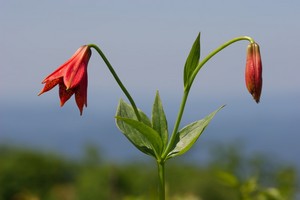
x=253, y=72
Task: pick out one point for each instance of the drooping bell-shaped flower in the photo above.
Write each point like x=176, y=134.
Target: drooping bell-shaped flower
x=253, y=72
x=71, y=78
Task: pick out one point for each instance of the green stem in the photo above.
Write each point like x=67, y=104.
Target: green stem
x=176, y=126
x=213, y=53
x=111, y=69
x=188, y=87
x=161, y=176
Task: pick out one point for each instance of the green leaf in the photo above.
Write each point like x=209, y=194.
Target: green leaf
x=148, y=133
x=159, y=121
x=187, y=136
x=125, y=110
x=192, y=61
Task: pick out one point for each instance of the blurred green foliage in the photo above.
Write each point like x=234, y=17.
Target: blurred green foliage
x=31, y=175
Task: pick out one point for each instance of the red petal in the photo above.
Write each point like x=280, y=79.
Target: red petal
x=76, y=69
x=58, y=73
x=74, y=74
x=81, y=94
x=64, y=94
x=50, y=84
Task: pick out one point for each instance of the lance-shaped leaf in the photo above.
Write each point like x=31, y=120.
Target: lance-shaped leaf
x=125, y=110
x=148, y=133
x=187, y=136
x=159, y=121
x=191, y=61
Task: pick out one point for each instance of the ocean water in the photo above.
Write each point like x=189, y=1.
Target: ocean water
x=269, y=128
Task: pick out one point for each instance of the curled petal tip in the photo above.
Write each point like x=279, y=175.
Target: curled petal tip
x=41, y=92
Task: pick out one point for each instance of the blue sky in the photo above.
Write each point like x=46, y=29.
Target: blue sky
x=147, y=42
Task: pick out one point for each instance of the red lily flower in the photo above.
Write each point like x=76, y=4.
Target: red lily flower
x=253, y=73
x=71, y=78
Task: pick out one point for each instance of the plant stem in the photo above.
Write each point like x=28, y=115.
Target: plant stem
x=176, y=126
x=213, y=53
x=188, y=87
x=161, y=176
x=123, y=88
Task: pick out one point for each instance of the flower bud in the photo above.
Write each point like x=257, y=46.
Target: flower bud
x=253, y=72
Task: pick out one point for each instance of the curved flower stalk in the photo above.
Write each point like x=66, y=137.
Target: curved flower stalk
x=72, y=78
x=151, y=135
x=193, y=66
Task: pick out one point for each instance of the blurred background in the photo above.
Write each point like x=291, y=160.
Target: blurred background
x=251, y=145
